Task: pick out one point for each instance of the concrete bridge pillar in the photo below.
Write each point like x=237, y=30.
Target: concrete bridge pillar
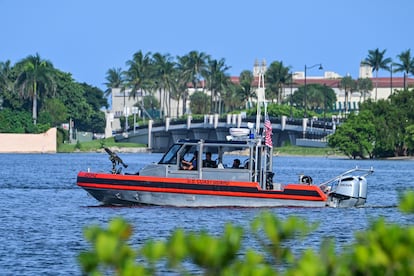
x=150, y=122
x=216, y=120
x=233, y=119
x=210, y=119
x=239, y=119
x=108, y=127
x=304, y=126
x=189, y=118
x=229, y=116
x=167, y=123
x=283, y=122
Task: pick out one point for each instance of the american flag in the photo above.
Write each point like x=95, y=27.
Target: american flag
x=268, y=132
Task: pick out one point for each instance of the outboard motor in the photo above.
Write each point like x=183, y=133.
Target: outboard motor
x=363, y=187
x=347, y=191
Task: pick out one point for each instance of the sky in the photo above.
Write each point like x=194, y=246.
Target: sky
x=88, y=37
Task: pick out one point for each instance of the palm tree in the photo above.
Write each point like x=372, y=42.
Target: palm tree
x=348, y=85
x=199, y=103
x=183, y=77
x=190, y=67
x=138, y=74
x=196, y=63
x=216, y=80
x=115, y=79
x=6, y=80
x=35, y=77
x=364, y=86
x=276, y=76
x=179, y=89
x=163, y=75
x=376, y=60
x=233, y=98
x=406, y=65
x=246, y=81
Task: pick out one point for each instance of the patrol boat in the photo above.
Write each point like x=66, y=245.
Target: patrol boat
x=170, y=183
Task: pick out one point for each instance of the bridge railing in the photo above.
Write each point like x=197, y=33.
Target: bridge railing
x=310, y=123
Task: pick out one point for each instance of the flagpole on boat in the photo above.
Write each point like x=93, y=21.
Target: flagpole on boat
x=261, y=99
x=260, y=95
x=264, y=171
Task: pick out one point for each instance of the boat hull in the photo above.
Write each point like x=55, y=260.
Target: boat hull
x=124, y=198
x=135, y=190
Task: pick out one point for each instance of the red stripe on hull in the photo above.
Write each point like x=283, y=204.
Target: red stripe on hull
x=270, y=194
x=169, y=179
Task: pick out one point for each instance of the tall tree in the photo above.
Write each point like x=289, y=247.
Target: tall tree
x=179, y=89
x=35, y=76
x=364, y=86
x=377, y=61
x=348, y=85
x=138, y=76
x=199, y=103
x=196, y=63
x=216, y=80
x=6, y=81
x=184, y=76
x=94, y=97
x=355, y=137
x=409, y=138
x=318, y=96
x=53, y=112
x=406, y=66
x=72, y=95
x=115, y=78
x=246, y=81
x=276, y=76
x=233, y=98
x=163, y=76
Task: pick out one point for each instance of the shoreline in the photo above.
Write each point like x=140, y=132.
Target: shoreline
x=275, y=154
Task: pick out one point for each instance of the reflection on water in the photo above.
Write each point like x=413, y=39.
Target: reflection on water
x=44, y=212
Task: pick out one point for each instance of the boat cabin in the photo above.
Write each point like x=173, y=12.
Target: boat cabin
x=255, y=161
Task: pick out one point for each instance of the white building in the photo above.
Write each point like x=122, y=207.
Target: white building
x=383, y=87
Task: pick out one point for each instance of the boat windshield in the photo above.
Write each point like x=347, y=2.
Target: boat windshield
x=170, y=157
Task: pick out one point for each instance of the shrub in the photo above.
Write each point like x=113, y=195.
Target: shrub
x=383, y=249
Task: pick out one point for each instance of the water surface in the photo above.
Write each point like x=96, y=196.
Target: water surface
x=43, y=212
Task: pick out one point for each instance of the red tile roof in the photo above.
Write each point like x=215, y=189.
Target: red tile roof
x=383, y=82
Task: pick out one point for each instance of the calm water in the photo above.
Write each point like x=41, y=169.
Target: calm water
x=43, y=212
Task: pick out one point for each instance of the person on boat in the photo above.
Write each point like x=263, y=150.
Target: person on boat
x=192, y=164
x=236, y=164
x=208, y=162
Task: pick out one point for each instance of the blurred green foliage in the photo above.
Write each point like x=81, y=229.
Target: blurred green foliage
x=382, y=249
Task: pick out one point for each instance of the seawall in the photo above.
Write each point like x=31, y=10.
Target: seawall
x=28, y=143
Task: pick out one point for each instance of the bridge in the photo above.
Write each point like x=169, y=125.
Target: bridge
x=160, y=136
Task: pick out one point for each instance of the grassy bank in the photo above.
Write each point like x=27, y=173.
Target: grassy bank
x=95, y=145
x=304, y=151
